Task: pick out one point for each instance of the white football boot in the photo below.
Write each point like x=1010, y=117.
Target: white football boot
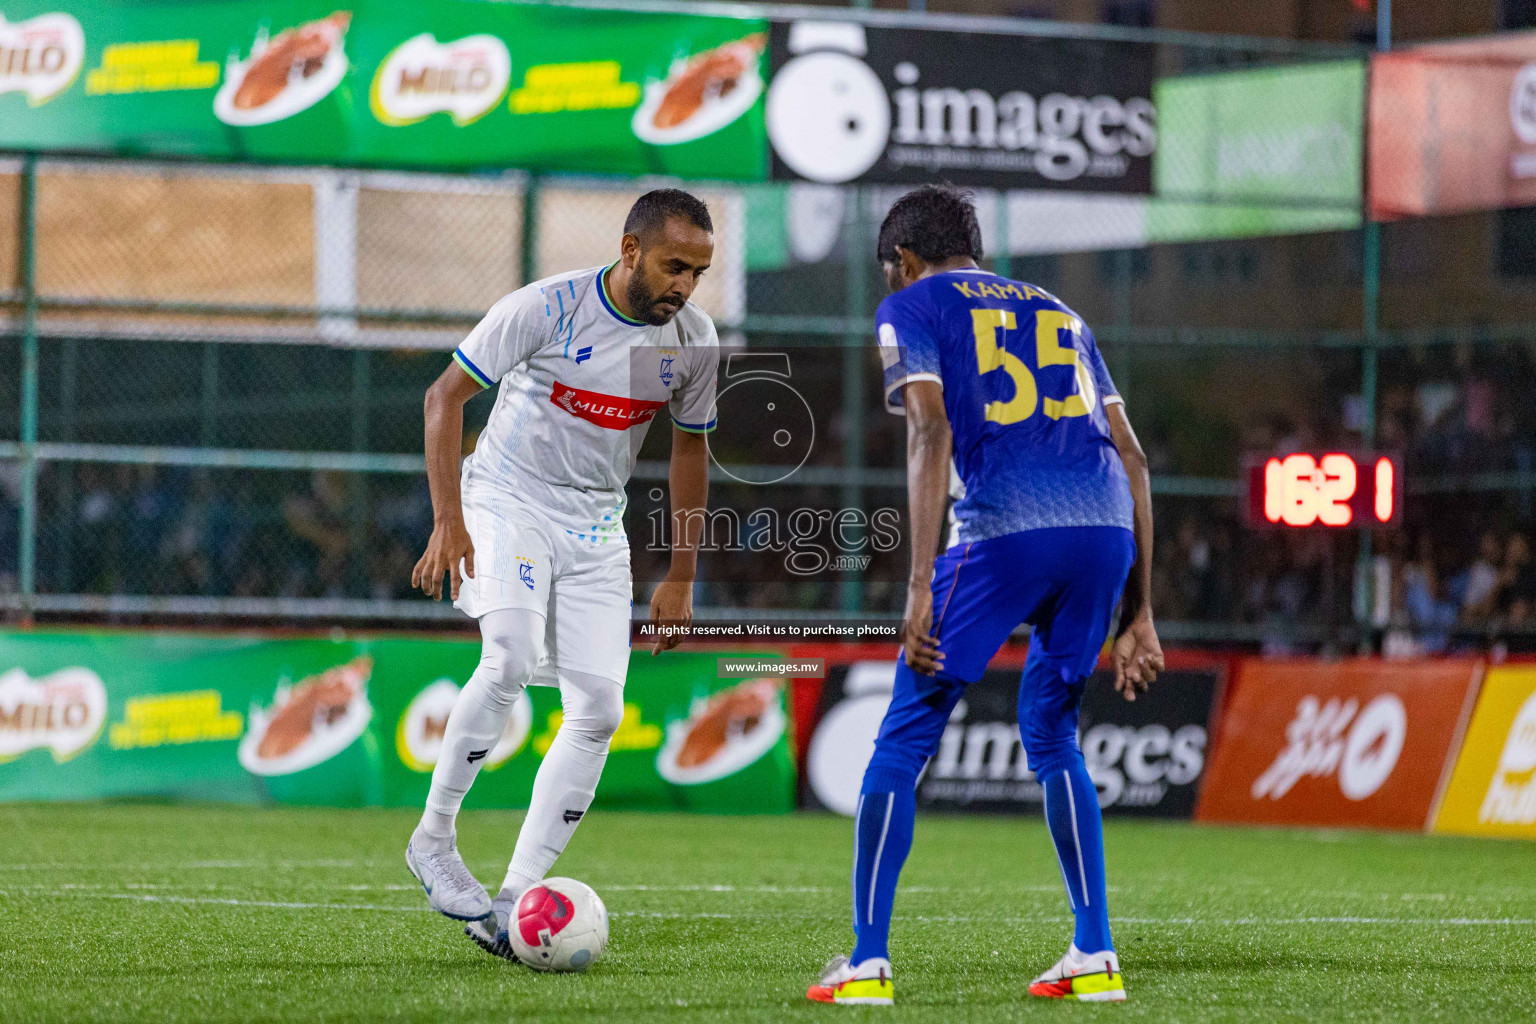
x=450, y=888
x=1090, y=977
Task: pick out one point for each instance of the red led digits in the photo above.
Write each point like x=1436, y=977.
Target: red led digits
x=1385, y=483
x=1301, y=490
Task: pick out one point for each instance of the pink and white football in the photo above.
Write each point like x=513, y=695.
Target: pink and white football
x=559, y=925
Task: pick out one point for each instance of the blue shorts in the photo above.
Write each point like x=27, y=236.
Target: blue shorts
x=1065, y=582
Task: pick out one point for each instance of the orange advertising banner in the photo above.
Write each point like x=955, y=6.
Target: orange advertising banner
x=1363, y=742
x=1453, y=127
x=1493, y=789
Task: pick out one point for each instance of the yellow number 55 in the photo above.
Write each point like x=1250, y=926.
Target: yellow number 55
x=1050, y=352
x=991, y=355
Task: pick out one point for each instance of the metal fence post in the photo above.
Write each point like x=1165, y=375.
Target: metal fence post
x=361, y=489
x=68, y=405
x=1124, y=276
x=1002, y=255
x=528, y=251
x=1370, y=290
x=851, y=587
x=27, y=557
x=208, y=396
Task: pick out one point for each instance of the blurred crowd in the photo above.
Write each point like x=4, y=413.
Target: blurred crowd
x=122, y=529
x=1459, y=574
x=1434, y=589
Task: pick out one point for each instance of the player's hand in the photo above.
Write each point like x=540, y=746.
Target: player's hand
x=917, y=640
x=671, y=605
x=450, y=545
x=1137, y=657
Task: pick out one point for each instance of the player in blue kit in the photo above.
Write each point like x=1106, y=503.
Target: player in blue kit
x=1003, y=384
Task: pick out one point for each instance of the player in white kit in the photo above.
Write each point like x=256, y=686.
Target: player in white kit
x=531, y=531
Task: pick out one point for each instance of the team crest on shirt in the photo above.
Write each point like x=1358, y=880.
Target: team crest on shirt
x=525, y=570
x=666, y=373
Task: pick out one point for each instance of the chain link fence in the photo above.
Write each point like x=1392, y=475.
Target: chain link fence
x=228, y=364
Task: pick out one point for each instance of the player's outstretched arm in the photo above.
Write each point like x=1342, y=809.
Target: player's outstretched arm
x=928, y=452
x=450, y=543
x=1137, y=654
x=688, y=480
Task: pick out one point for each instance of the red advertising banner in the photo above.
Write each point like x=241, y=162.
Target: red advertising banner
x=1453, y=127
x=1355, y=743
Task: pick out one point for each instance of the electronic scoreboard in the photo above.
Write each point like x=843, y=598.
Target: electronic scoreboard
x=1336, y=489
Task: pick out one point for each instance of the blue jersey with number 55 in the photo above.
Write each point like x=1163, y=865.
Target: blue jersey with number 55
x=1024, y=389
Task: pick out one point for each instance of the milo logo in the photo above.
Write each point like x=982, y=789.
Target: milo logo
x=419, y=734
x=420, y=77
x=40, y=56
x=62, y=712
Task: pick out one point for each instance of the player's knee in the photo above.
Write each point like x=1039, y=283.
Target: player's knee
x=508, y=663
x=1047, y=750
x=595, y=709
x=1054, y=761
x=891, y=764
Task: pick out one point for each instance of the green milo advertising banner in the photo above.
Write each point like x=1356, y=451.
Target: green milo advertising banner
x=356, y=722
x=452, y=84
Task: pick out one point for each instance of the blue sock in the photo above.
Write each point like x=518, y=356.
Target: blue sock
x=882, y=840
x=1072, y=812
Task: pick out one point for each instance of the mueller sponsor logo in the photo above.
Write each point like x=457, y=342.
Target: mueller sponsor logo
x=1330, y=739
x=64, y=712
x=609, y=411
x=40, y=56
x=1511, y=795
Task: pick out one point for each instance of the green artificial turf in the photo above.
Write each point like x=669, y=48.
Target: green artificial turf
x=186, y=913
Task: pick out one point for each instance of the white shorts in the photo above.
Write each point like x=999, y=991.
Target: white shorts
x=579, y=582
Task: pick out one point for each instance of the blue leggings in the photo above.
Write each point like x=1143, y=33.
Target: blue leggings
x=1065, y=582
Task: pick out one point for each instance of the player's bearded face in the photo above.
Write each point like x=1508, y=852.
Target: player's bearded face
x=667, y=268
x=654, y=300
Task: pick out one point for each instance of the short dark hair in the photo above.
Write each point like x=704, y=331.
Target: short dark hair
x=935, y=222
x=651, y=211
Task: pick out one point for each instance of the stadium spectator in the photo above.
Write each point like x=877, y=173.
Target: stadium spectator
x=1517, y=582
x=1478, y=584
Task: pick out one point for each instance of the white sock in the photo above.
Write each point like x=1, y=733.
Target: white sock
x=563, y=788
x=511, y=644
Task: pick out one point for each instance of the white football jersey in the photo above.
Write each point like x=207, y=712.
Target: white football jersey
x=580, y=383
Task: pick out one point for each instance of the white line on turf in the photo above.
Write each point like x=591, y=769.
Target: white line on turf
x=278, y=865
x=142, y=897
